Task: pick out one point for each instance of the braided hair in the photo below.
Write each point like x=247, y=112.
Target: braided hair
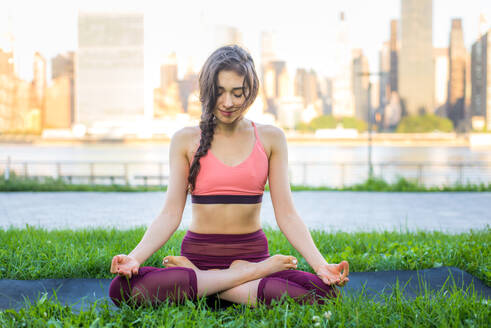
x=228, y=58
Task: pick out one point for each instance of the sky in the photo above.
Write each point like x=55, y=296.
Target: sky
x=306, y=29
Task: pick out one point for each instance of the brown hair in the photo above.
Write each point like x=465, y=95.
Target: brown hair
x=228, y=58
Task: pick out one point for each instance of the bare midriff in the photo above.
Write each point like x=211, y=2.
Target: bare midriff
x=225, y=218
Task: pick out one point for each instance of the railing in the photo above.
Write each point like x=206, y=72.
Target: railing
x=334, y=174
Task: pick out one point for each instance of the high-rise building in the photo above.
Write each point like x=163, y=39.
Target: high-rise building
x=168, y=72
x=275, y=85
x=415, y=62
x=7, y=85
x=343, y=102
x=60, y=98
x=39, y=82
x=26, y=117
x=63, y=65
x=394, y=55
x=388, y=63
x=385, y=66
x=481, y=82
x=360, y=84
x=306, y=86
x=268, y=47
x=109, y=69
x=325, y=89
x=440, y=56
x=187, y=86
x=457, y=55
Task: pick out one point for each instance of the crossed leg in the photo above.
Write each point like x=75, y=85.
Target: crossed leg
x=302, y=286
x=242, y=293
x=239, y=272
x=181, y=279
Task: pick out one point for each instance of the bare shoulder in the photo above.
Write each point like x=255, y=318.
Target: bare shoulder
x=271, y=136
x=187, y=132
x=186, y=140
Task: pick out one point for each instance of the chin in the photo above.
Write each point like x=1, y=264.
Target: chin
x=229, y=119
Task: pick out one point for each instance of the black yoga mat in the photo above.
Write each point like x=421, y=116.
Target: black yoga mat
x=79, y=293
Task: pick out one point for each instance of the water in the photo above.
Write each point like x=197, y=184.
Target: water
x=342, y=165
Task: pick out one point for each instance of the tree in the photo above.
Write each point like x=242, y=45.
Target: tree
x=424, y=123
x=354, y=123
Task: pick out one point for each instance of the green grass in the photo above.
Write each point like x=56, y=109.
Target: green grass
x=19, y=183
x=33, y=253
x=454, y=309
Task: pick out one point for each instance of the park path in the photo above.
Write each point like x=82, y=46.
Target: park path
x=451, y=212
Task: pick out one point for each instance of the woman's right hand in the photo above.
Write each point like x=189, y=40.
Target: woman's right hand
x=124, y=265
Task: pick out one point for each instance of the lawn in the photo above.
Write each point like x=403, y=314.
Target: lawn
x=33, y=253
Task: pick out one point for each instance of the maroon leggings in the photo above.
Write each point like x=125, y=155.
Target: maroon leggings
x=217, y=251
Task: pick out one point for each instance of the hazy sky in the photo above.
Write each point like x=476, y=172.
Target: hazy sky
x=306, y=29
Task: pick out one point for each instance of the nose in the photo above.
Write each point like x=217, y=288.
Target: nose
x=227, y=102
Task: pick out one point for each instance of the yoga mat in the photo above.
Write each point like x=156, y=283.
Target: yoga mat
x=79, y=293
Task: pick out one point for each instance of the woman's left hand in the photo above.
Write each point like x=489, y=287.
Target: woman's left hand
x=334, y=274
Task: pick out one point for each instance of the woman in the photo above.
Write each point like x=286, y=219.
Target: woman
x=225, y=252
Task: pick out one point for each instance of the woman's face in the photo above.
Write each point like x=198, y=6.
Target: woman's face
x=230, y=96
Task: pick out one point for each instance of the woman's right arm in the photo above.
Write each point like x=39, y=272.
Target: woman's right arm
x=170, y=217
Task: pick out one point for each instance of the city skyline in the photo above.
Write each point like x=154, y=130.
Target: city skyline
x=109, y=77
x=299, y=29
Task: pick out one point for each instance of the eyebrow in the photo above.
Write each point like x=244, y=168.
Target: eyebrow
x=234, y=89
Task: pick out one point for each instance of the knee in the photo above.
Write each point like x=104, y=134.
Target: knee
x=120, y=290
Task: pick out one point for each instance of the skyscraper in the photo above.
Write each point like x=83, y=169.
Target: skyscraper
x=268, y=47
x=60, y=95
x=360, y=84
x=109, y=69
x=481, y=82
x=306, y=87
x=394, y=55
x=415, y=66
x=7, y=85
x=343, y=102
x=39, y=79
x=272, y=85
x=168, y=72
x=63, y=65
x=441, y=81
x=384, y=81
x=457, y=55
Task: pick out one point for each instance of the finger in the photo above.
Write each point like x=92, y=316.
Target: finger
x=327, y=281
x=114, y=264
x=344, y=268
x=342, y=283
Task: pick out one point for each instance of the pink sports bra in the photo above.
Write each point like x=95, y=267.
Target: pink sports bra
x=218, y=183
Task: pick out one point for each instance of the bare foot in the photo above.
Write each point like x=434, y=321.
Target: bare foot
x=271, y=265
x=178, y=261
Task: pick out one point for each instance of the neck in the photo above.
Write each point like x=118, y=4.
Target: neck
x=230, y=128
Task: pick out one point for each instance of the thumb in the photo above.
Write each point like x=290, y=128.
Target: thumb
x=344, y=269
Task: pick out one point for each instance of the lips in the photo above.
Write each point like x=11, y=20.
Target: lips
x=227, y=113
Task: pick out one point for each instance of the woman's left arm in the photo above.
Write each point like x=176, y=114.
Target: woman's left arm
x=287, y=217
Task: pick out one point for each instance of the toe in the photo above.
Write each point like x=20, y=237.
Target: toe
x=166, y=261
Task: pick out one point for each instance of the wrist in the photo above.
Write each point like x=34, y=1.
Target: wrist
x=319, y=264
x=135, y=257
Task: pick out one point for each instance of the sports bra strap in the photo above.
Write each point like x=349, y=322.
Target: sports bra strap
x=255, y=131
